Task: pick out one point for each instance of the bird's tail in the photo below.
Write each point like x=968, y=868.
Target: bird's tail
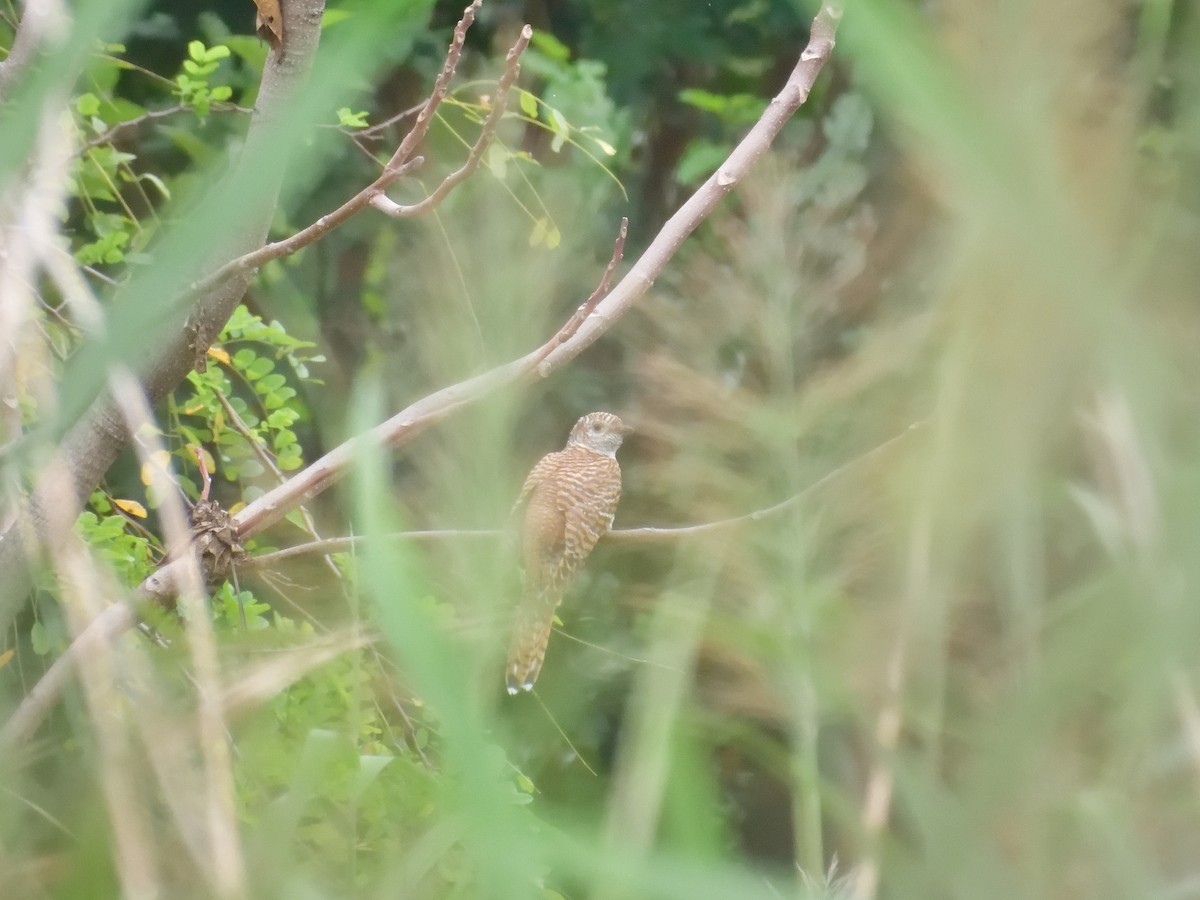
x=527, y=649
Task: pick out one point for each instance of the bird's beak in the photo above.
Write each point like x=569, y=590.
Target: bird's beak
x=627, y=429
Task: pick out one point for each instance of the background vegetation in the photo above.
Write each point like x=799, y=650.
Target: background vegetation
x=943, y=338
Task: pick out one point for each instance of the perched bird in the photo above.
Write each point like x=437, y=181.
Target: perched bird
x=569, y=500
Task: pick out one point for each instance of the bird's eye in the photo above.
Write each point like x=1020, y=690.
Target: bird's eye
x=595, y=426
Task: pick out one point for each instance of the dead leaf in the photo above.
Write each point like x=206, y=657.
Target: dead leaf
x=268, y=24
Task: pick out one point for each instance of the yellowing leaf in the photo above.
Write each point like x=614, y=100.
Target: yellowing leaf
x=545, y=233
x=158, y=460
x=497, y=159
x=538, y=235
x=607, y=148
x=6, y=658
x=132, y=507
x=220, y=356
x=209, y=462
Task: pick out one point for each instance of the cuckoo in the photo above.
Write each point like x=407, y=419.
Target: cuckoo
x=566, y=505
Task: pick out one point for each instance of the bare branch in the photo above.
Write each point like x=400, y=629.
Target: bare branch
x=512, y=68
x=257, y=258
x=402, y=163
x=697, y=207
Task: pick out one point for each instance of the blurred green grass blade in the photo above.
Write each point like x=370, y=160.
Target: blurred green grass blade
x=497, y=832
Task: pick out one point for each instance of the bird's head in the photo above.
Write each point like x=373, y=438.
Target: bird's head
x=599, y=431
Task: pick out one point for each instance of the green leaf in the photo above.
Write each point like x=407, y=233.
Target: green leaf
x=40, y=638
x=260, y=367
x=87, y=104
x=700, y=160
x=252, y=468
x=284, y=439
x=158, y=183
x=497, y=160
x=196, y=69
x=561, y=128
x=333, y=16
x=369, y=768
x=282, y=418
x=733, y=108
x=244, y=358
x=269, y=383
x=289, y=461
x=529, y=103
x=347, y=118
x=551, y=46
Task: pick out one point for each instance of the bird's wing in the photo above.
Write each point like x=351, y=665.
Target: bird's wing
x=536, y=476
x=589, y=503
x=536, y=520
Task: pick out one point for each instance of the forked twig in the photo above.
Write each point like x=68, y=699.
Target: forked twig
x=569, y=329
x=512, y=69
x=402, y=162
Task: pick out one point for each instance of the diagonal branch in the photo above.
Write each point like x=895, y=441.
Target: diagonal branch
x=402, y=162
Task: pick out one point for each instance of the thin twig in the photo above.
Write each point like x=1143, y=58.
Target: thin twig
x=374, y=130
x=112, y=131
x=568, y=330
x=512, y=68
x=553, y=721
x=402, y=163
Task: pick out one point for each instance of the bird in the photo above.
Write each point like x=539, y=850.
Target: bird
x=566, y=505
